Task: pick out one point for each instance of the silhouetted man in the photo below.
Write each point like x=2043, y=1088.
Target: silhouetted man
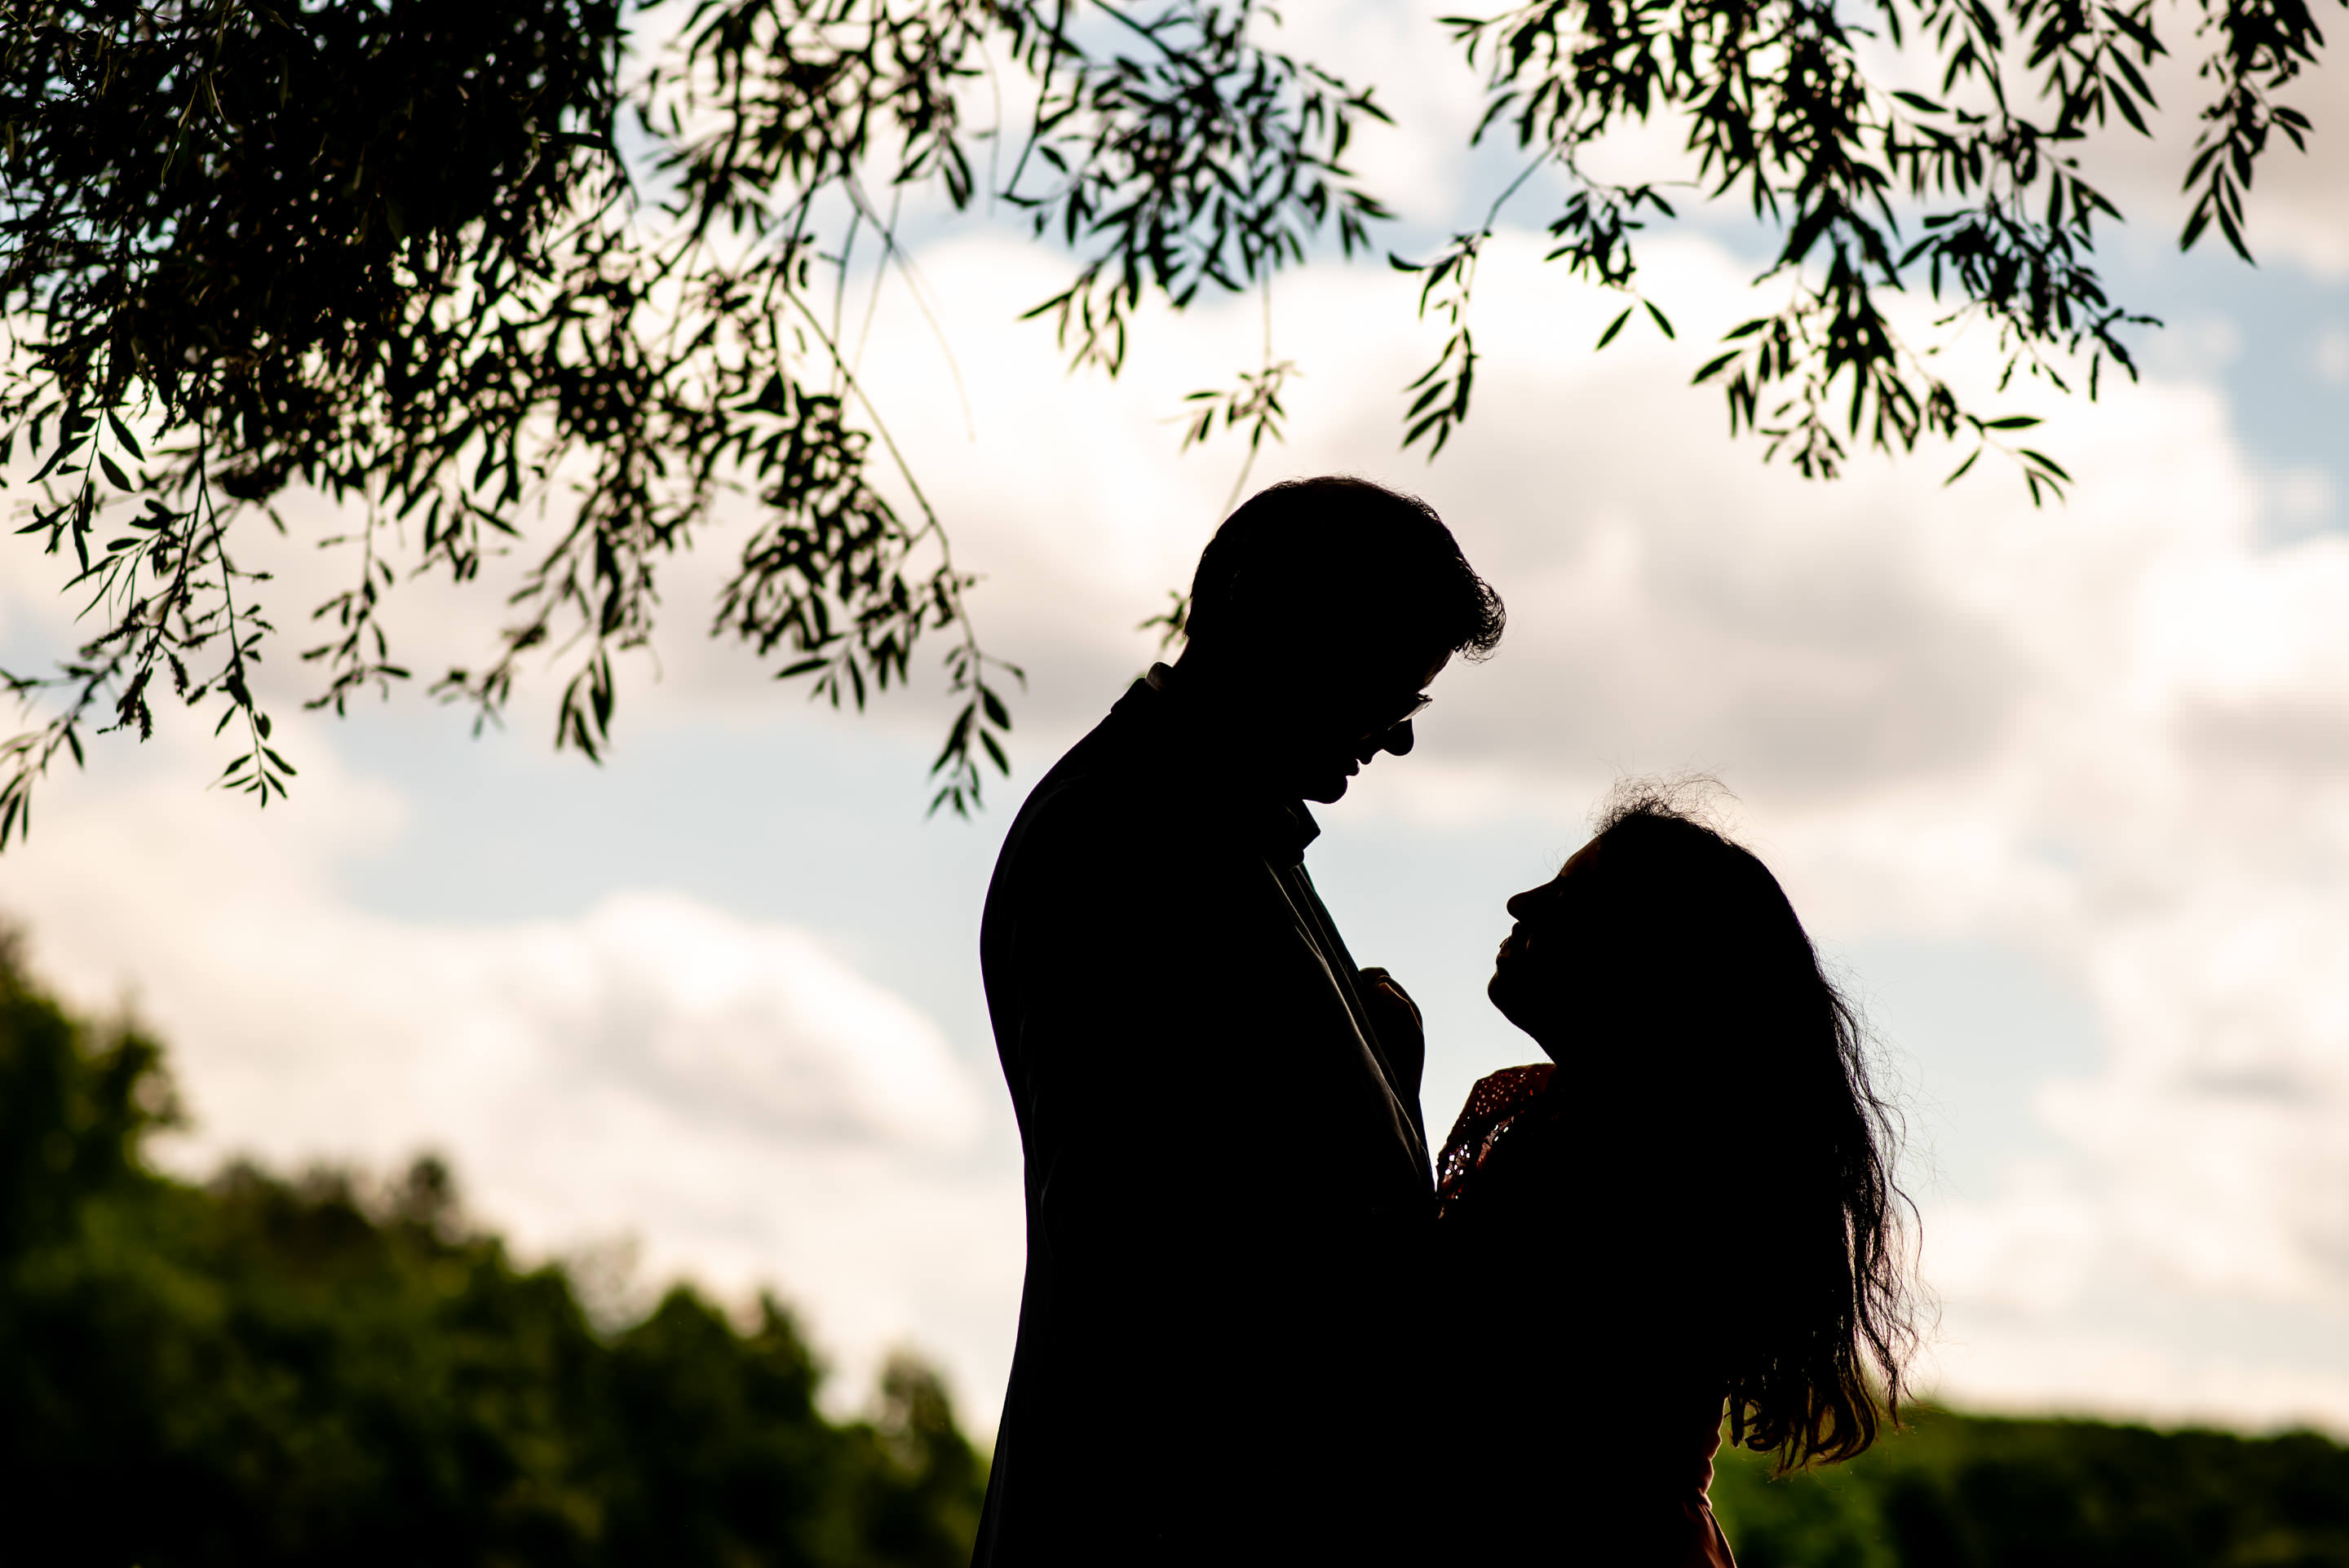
x=1228, y=1178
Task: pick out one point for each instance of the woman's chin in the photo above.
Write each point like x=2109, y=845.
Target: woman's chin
x=1520, y=1005
x=1503, y=994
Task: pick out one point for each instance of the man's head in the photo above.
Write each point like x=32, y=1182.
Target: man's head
x=1321, y=610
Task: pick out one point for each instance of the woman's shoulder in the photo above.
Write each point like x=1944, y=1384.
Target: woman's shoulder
x=1505, y=1092
x=1494, y=1106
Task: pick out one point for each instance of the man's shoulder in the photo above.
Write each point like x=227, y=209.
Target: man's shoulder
x=1099, y=779
x=1125, y=769
x=1123, y=804
x=1089, y=795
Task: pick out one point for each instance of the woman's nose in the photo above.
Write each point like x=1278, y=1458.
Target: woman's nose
x=1521, y=905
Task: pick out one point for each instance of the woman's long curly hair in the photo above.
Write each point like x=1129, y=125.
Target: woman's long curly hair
x=1700, y=962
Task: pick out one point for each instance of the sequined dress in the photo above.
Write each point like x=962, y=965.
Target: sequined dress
x=1578, y=1441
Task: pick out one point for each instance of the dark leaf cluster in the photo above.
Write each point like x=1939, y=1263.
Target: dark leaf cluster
x=390, y=253
x=246, y=243
x=1974, y=196
x=1189, y=157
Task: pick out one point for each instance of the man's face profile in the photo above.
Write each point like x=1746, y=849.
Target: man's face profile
x=1342, y=713
x=1321, y=611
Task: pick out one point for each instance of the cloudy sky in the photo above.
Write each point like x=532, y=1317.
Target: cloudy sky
x=2064, y=792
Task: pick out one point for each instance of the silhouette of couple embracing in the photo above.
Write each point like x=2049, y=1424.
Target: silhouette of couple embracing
x=1259, y=1325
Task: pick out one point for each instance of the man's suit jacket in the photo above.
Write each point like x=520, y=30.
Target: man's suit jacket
x=1228, y=1184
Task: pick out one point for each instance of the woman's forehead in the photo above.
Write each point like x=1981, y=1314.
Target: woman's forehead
x=1579, y=861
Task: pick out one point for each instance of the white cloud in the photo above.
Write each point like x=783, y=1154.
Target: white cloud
x=2131, y=1376
x=2109, y=731
x=730, y=1093
x=2298, y=500
x=2194, y=348
x=2333, y=354
x=2034, y=1249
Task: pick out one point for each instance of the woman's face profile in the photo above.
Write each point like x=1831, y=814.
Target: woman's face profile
x=1530, y=982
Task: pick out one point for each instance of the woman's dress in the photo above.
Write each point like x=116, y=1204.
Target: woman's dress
x=1576, y=1301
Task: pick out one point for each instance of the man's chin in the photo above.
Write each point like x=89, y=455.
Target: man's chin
x=1325, y=783
x=1325, y=787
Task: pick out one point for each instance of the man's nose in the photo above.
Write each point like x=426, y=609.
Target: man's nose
x=1399, y=740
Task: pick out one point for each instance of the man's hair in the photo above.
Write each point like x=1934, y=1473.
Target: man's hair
x=1307, y=556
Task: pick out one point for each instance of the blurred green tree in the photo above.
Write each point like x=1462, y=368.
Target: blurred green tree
x=1957, y=1492
x=259, y=1371
x=388, y=249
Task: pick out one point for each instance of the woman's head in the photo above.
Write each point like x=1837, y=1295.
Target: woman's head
x=1666, y=972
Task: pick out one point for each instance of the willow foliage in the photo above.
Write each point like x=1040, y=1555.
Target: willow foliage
x=388, y=249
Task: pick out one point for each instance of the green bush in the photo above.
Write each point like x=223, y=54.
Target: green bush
x=261, y=1370
x=1964, y=1491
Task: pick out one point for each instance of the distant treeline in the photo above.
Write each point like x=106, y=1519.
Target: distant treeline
x=1964, y=1491
x=259, y=1371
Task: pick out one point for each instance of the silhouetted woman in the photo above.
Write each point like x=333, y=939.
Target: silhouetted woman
x=1687, y=1212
